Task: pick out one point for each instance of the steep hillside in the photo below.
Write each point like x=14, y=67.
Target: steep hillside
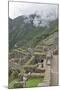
x=25, y=34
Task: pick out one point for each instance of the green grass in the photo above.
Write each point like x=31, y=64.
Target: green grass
x=40, y=53
x=33, y=82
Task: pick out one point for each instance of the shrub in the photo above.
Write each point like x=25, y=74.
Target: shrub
x=13, y=75
x=18, y=85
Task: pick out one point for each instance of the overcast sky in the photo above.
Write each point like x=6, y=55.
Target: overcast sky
x=18, y=8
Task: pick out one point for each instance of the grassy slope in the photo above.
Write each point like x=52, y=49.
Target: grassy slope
x=51, y=39
x=33, y=82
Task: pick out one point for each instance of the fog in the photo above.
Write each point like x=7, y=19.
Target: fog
x=46, y=11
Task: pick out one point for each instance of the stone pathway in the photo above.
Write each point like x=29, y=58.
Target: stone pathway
x=46, y=81
x=54, y=70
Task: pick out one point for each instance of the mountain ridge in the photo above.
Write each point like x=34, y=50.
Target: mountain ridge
x=25, y=34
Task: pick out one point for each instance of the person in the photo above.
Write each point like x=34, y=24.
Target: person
x=42, y=63
x=41, y=60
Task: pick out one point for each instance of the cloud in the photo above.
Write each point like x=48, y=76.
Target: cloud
x=18, y=8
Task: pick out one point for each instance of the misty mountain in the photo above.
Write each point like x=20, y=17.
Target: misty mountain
x=24, y=33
